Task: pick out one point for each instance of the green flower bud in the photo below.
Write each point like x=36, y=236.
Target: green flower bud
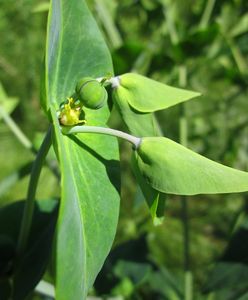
x=91, y=93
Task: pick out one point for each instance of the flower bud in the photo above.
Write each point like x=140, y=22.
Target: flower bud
x=91, y=93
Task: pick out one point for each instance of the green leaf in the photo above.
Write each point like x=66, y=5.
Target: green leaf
x=26, y=271
x=41, y=7
x=171, y=168
x=228, y=275
x=139, y=124
x=241, y=26
x=155, y=200
x=11, y=179
x=147, y=95
x=136, y=271
x=8, y=103
x=89, y=163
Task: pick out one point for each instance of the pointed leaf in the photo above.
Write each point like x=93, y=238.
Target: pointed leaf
x=171, y=168
x=89, y=164
x=147, y=95
x=8, y=103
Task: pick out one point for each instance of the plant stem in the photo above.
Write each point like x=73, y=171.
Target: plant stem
x=103, y=130
x=109, y=24
x=169, y=12
x=29, y=204
x=207, y=13
x=15, y=129
x=23, y=139
x=237, y=55
x=183, y=124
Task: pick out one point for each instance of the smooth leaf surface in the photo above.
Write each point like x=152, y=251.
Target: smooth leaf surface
x=155, y=200
x=89, y=163
x=147, y=95
x=171, y=168
x=139, y=124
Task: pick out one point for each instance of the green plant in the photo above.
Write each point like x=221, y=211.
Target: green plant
x=89, y=203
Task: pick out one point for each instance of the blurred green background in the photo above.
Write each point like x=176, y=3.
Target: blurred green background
x=201, y=249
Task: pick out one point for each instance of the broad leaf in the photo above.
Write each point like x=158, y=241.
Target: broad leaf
x=89, y=163
x=171, y=168
x=142, y=124
x=138, y=123
x=147, y=95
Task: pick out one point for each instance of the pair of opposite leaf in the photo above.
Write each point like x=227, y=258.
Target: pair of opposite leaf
x=161, y=165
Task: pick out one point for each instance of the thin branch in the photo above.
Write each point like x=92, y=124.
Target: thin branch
x=103, y=130
x=29, y=204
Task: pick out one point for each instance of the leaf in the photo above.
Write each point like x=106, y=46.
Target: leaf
x=89, y=163
x=8, y=103
x=241, y=26
x=155, y=200
x=41, y=7
x=147, y=95
x=137, y=272
x=139, y=124
x=226, y=275
x=27, y=271
x=169, y=285
x=7, y=182
x=171, y=168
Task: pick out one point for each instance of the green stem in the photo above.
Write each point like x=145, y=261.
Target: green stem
x=207, y=13
x=237, y=55
x=29, y=204
x=24, y=140
x=183, y=126
x=15, y=129
x=169, y=12
x=103, y=130
x=109, y=24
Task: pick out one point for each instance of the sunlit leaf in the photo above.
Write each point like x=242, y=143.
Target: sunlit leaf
x=89, y=164
x=171, y=168
x=147, y=95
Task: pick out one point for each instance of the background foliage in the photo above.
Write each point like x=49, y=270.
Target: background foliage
x=198, y=44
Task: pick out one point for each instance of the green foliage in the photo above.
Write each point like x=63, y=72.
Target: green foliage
x=8, y=103
x=171, y=168
x=145, y=95
x=90, y=186
x=197, y=45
